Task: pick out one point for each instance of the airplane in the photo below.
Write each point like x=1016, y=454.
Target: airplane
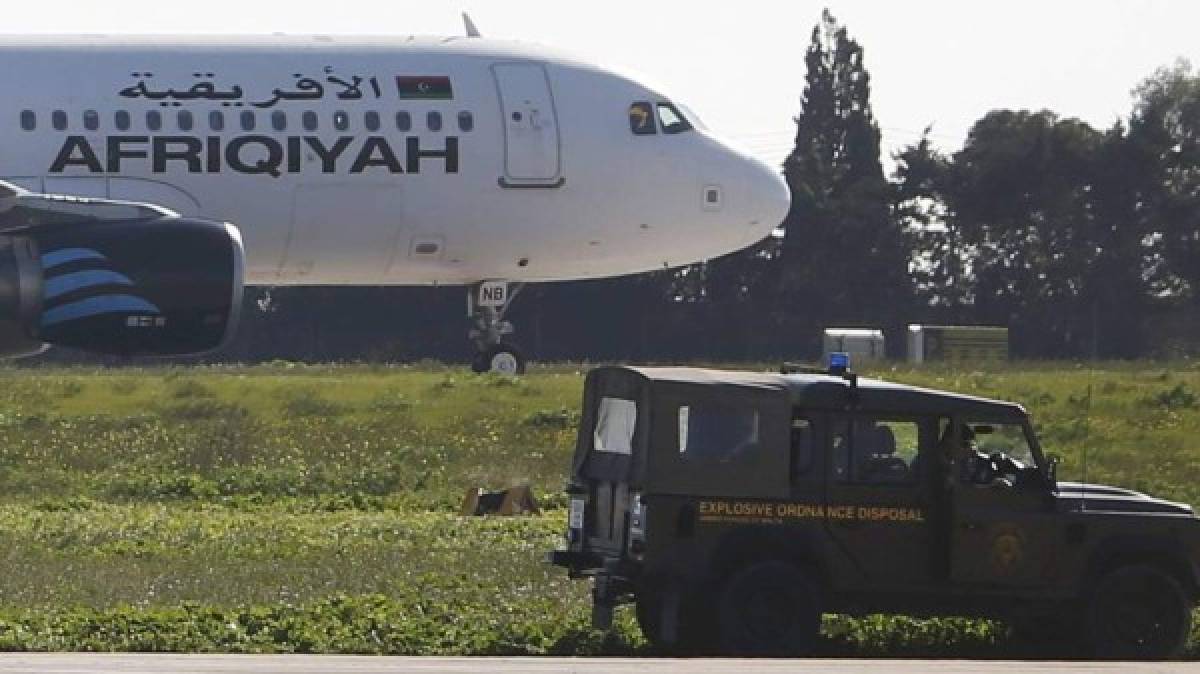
x=329, y=160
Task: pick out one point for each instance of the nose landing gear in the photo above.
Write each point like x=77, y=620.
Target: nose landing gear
x=487, y=302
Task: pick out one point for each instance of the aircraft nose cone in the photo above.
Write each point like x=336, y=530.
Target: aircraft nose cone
x=770, y=197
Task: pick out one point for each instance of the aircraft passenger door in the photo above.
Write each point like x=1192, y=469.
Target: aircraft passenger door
x=531, y=138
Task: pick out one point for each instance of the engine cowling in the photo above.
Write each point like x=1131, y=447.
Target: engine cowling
x=115, y=278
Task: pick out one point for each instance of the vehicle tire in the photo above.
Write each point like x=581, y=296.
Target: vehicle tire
x=769, y=609
x=1138, y=612
x=500, y=358
x=694, y=631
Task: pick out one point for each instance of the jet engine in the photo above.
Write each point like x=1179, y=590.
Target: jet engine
x=114, y=277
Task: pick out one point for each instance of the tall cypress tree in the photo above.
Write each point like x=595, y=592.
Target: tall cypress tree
x=844, y=258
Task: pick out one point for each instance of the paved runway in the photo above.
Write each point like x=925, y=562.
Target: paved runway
x=53, y=663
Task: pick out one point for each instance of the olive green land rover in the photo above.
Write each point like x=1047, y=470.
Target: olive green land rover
x=735, y=508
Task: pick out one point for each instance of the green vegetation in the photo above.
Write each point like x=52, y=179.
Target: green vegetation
x=313, y=509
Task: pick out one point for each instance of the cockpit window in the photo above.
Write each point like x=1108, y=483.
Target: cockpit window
x=672, y=120
x=641, y=119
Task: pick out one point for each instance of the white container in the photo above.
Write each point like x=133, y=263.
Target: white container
x=863, y=344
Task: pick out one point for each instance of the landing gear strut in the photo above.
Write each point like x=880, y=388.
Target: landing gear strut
x=487, y=302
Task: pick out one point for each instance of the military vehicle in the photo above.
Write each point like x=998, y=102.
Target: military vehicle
x=735, y=508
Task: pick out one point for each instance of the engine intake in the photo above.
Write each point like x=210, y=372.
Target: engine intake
x=114, y=277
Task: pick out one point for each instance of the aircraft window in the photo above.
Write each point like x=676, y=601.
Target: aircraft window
x=248, y=121
x=185, y=120
x=122, y=120
x=28, y=120
x=403, y=121
x=341, y=121
x=641, y=119
x=671, y=119
x=154, y=120
x=59, y=120
x=279, y=120
x=216, y=120
x=309, y=120
x=433, y=120
x=371, y=119
x=466, y=121
x=91, y=120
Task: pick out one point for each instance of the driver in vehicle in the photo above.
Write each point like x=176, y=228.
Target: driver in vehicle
x=983, y=469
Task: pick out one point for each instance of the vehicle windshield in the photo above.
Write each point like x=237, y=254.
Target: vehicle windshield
x=1003, y=438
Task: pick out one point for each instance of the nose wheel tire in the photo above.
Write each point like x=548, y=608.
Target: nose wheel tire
x=1139, y=613
x=500, y=358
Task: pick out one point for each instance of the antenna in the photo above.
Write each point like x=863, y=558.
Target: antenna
x=1087, y=410
x=1087, y=440
x=469, y=25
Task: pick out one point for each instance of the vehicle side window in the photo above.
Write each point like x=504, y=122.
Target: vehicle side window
x=616, y=419
x=720, y=433
x=802, y=448
x=1000, y=438
x=641, y=119
x=870, y=450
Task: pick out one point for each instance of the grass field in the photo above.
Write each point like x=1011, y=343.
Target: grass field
x=302, y=508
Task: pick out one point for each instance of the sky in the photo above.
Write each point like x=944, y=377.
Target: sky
x=740, y=64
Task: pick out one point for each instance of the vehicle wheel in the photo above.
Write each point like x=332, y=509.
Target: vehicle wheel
x=500, y=358
x=769, y=609
x=648, y=609
x=693, y=632
x=1138, y=613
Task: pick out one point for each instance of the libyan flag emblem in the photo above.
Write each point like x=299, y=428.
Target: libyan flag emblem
x=424, y=86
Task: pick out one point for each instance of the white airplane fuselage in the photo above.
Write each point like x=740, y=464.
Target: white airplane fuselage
x=383, y=161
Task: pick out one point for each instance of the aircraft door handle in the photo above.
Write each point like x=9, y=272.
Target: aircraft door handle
x=970, y=526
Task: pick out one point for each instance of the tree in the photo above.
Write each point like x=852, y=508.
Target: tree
x=1040, y=233
x=1165, y=132
x=843, y=257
